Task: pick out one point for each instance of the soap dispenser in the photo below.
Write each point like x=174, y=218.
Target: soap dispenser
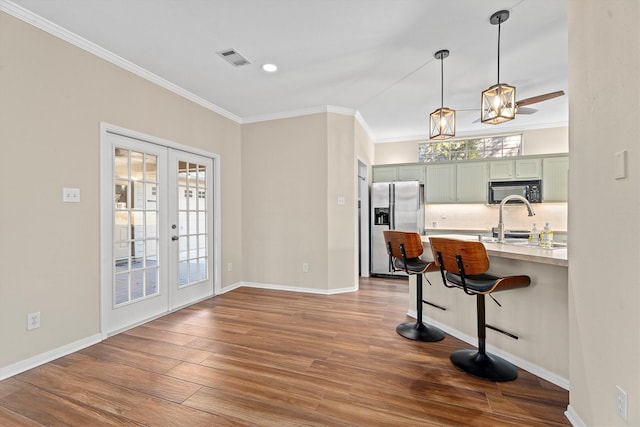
x=534, y=236
x=546, y=238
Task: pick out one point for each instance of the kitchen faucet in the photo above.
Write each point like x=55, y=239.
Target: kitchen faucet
x=502, y=203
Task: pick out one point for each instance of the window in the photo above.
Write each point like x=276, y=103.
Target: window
x=472, y=148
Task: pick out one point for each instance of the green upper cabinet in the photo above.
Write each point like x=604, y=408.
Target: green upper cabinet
x=471, y=182
x=399, y=173
x=528, y=168
x=385, y=173
x=466, y=181
x=411, y=173
x=441, y=183
x=555, y=179
x=501, y=169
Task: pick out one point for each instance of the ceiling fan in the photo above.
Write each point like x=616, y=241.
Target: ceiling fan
x=521, y=105
x=535, y=100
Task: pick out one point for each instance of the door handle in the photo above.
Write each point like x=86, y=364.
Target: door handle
x=174, y=238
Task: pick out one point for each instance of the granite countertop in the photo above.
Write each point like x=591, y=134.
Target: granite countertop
x=520, y=251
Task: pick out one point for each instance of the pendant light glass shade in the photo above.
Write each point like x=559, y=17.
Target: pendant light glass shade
x=443, y=120
x=498, y=103
x=443, y=123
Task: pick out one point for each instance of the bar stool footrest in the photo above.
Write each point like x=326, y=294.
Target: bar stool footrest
x=419, y=332
x=484, y=365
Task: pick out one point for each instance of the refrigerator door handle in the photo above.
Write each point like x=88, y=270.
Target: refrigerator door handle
x=392, y=207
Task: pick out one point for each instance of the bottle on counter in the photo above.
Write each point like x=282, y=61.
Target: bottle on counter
x=534, y=236
x=546, y=237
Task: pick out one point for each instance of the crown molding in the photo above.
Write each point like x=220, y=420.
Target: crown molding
x=57, y=31
x=312, y=110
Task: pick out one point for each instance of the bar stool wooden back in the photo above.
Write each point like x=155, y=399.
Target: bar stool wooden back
x=404, y=250
x=464, y=265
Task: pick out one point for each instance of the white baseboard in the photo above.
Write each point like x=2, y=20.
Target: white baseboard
x=40, y=359
x=538, y=371
x=574, y=418
x=288, y=288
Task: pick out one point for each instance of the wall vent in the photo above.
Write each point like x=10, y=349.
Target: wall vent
x=233, y=57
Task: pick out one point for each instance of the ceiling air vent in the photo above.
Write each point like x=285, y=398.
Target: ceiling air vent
x=234, y=57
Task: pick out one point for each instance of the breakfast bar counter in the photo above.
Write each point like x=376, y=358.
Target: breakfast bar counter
x=517, y=249
x=537, y=315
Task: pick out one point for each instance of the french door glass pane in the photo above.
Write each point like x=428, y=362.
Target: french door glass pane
x=192, y=216
x=135, y=239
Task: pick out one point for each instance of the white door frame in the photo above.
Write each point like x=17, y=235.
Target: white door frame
x=106, y=212
x=362, y=179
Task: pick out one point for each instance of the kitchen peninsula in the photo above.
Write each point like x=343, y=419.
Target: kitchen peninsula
x=537, y=315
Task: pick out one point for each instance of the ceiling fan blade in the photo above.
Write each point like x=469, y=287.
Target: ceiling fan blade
x=539, y=98
x=526, y=110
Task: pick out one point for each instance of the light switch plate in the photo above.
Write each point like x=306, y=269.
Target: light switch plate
x=71, y=195
x=620, y=164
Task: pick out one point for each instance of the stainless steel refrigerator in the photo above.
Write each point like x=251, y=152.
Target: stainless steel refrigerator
x=394, y=206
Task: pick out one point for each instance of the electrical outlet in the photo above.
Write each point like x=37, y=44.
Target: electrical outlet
x=305, y=267
x=230, y=266
x=621, y=403
x=33, y=321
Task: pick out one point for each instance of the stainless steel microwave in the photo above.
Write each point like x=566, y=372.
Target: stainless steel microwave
x=530, y=190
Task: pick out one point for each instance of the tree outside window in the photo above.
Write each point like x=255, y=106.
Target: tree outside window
x=469, y=149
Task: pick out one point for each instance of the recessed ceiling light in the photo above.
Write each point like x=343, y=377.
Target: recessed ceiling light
x=269, y=68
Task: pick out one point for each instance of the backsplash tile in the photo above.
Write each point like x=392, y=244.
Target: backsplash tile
x=480, y=216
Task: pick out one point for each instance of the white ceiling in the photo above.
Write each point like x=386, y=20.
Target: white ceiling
x=370, y=56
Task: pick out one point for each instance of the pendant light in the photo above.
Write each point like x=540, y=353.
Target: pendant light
x=498, y=101
x=442, y=120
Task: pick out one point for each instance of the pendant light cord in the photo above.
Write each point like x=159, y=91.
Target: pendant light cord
x=441, y=81
x=499, y=25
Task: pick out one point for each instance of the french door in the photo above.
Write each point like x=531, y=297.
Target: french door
x=157, y=230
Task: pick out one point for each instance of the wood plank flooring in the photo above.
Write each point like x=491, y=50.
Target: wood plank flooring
x=255, y=357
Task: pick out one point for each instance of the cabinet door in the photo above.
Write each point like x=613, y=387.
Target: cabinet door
x=528, y=168
x=555, y=179
x=385, y=173
x=471, y=182
x=501, y=169
x=441, y=184
x=411, y=173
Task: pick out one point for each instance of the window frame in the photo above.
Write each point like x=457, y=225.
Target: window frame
x=493, y=147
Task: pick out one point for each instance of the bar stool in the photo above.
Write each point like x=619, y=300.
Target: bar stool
x=404, y=250
x=463, y=264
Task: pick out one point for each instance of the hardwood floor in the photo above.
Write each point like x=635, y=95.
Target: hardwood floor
x=272, y=358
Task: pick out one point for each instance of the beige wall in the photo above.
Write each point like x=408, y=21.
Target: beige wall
x=280, y=182
x=546, y=141
x=53, y=98
x=342, y=170
x=539, y=141
x=604, y=226
x=294, y=171
x=284, y=202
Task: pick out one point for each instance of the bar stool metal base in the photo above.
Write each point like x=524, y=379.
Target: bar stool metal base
x=418, y=331
x=484, y=365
